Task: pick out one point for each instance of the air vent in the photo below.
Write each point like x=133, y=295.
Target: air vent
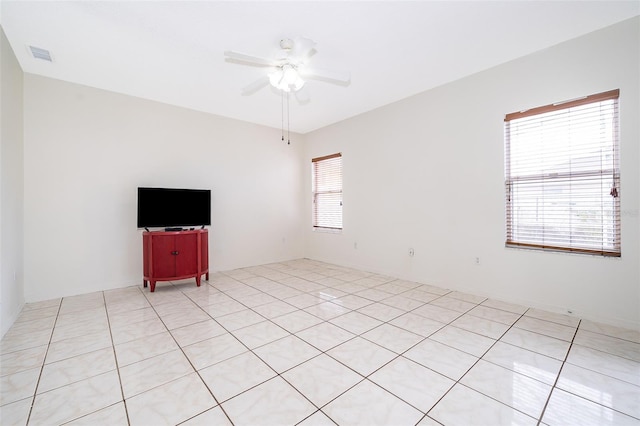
x=39, y=53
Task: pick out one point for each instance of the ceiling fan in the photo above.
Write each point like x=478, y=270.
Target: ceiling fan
x=289, y=69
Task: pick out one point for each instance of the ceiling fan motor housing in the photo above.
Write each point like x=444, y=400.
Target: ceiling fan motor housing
x=286, y=44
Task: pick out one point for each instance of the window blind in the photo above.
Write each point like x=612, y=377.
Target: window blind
x=562, y=176
x=327, y=191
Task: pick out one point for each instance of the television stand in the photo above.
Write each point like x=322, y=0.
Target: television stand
x=175, y=255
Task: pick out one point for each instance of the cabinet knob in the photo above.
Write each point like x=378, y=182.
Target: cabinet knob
x=175, y=253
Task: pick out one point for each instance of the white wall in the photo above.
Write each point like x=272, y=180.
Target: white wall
x=11, y=187
x=428, y=173
x=87, y=151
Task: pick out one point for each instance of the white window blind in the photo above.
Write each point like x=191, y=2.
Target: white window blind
x=562, y=176
x=327, y=191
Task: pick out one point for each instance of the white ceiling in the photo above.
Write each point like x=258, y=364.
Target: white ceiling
x=172, y=51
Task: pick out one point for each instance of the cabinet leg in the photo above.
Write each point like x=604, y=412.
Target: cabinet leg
x=207, y=276
x=198, y=278
x=153, y=286
x=144, y=283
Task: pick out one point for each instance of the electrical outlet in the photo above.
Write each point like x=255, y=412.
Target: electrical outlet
x=411, y=252
x=477, y=259
x=355, y=246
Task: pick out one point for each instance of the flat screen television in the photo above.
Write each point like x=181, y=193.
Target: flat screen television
x=173, y=208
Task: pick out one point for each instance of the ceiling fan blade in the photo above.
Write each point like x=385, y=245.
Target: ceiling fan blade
x=302, y=96
x=342, y=78
x=255, y=86
x=303, y=48
x=249, y=59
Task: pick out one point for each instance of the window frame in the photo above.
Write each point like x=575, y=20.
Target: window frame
x=316, y=194
x=571, y=177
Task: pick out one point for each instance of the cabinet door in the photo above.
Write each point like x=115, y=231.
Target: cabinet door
x=187, y=258
x=204, y=249
x=164, y=261
x=146, y=252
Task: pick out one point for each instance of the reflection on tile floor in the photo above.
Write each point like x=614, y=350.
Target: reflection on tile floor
x=305, y=342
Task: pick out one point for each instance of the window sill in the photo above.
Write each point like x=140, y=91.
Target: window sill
x=532, y=247
x=327, y=230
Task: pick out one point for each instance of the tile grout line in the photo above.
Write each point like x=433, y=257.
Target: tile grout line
x=218, y=404
x=469, y=369
x=77, y=381
x=610, y=354
x=44, y=360
x=553, y=387
x=593, y=371
x=115, y=357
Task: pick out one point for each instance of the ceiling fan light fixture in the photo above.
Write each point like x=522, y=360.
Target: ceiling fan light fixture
x=298, y=84
x=287, y=79
x=288, y=68
x=276, y=79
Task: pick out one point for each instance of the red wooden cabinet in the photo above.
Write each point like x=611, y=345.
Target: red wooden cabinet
x=175, y=255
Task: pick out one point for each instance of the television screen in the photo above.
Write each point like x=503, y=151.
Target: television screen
x=170, y=207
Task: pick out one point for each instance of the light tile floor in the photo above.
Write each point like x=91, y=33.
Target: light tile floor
x=304, y=342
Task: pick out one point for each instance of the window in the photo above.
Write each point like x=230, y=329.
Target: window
x=562, y=176
x=327, y=192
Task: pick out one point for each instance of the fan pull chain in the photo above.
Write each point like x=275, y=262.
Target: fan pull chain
x=282, y=113
x=288, y=121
